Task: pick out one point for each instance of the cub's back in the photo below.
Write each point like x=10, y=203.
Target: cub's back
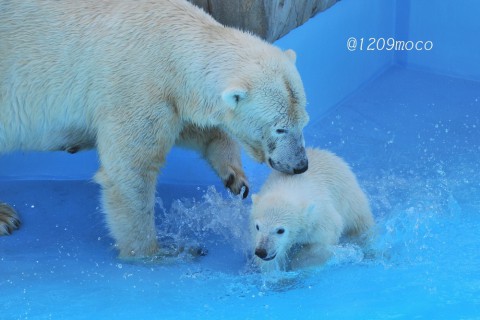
x=325, y=171
x=348, y=197
x=328, y=178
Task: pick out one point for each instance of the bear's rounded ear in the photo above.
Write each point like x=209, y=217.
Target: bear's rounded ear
x=291, y=55
x=232, y=96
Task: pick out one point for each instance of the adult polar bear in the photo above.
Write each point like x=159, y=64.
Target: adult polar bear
x=132, y=78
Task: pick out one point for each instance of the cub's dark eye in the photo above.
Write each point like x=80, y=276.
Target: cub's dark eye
x=256, y=226
x=280, y=231
x=280, y=131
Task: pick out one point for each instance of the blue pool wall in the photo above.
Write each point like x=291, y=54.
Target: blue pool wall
x=454, y=29
x=330, y=72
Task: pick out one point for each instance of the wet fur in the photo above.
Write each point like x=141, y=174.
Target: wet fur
x=314, y=209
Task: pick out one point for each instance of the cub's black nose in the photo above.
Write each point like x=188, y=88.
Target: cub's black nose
x=261, y=253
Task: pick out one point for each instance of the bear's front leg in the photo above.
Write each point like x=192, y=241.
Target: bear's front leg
x=129, y=210
x=221, y=152
x=309, y=255
x=132, y=147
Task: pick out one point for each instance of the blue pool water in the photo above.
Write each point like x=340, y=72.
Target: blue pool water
x=407, y=123
x=418, y=162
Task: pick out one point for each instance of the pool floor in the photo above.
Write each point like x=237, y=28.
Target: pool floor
x=413, y=140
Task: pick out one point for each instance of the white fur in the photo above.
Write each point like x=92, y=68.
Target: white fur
x=314, y=209
x=134, y=77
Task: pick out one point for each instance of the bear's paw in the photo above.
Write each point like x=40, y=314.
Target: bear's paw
x=9, y=220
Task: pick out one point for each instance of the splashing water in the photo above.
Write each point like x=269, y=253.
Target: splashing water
x=405, y=233
x=211, y=220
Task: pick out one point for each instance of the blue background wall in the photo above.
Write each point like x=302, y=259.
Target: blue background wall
x=456, y=50
x=330, y=73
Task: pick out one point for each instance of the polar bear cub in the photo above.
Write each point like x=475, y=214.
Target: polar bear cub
x=295, y=218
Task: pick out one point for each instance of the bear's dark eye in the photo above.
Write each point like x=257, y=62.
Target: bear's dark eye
x=256, y=226
x=280, y=131
x=280, y=231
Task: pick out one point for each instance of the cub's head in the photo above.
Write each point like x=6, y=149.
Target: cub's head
x=266, y=111
x=276, y=225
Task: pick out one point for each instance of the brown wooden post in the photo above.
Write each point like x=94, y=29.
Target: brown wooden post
x=269, y=19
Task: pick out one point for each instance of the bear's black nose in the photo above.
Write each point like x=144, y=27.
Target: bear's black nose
x=303, y=166
x=261, y=253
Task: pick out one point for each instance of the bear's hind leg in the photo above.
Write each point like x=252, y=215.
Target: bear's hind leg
x=221, y=152
x=9, y=220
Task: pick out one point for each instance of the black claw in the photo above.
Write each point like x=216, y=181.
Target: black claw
x=14, y=223
x=245, y=192
x=198, y=251
x=230, y=181
x=73, y=150
x=202, y=252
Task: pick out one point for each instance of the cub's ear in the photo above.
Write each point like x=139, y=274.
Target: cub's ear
x=232, y=96
x=291, y=55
